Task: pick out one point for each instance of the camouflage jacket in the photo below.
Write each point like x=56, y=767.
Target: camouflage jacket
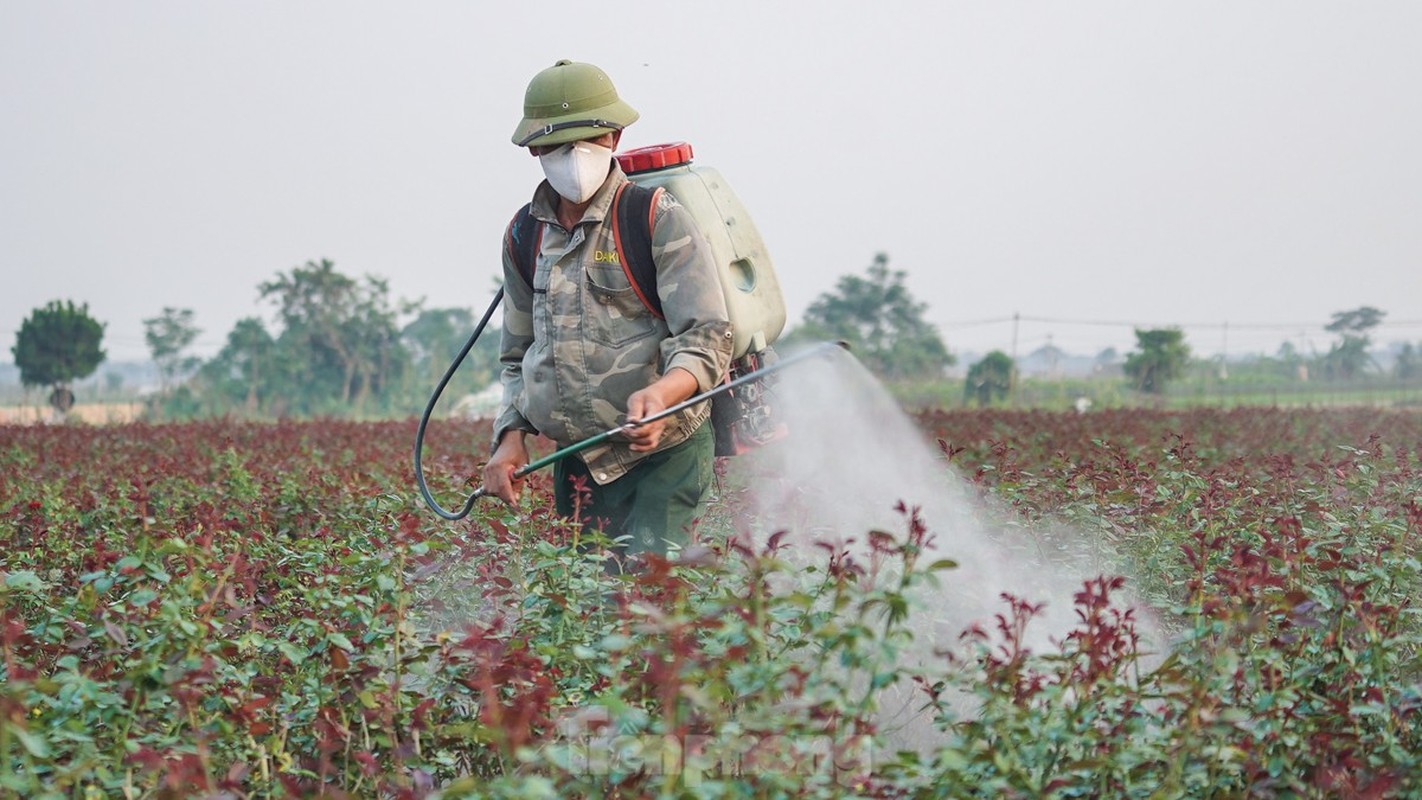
x=580, y=342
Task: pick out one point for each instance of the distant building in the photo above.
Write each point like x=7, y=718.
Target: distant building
x=1053, y=363
x=1045, y=361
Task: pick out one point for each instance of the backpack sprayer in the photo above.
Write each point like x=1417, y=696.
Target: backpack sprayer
x=741, y=414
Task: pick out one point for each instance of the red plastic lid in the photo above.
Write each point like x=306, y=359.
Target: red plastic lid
x=658, y=156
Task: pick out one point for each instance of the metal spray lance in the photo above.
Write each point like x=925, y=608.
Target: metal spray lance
x=596, y=439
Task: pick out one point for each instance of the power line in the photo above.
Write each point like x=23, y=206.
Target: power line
x=1238, y=326
x=978, y=322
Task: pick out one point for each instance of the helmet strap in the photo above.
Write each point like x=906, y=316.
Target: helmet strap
x=577, y=123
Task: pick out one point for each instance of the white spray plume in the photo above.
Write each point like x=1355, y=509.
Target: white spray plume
x=851, y=458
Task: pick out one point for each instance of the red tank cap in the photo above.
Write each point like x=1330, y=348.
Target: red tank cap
x=658, y=156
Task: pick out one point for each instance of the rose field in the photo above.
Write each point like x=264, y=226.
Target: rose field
x=234, y=609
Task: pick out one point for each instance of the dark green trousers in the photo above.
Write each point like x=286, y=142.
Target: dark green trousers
x=653, y=505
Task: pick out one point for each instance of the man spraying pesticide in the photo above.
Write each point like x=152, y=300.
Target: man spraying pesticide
x=631, y=302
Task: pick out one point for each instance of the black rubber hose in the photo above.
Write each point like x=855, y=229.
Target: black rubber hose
x=429, y=409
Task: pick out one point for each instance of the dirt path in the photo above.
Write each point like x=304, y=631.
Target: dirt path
x=91, y=413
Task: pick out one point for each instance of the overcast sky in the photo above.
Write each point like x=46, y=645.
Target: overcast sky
x=1091, y=164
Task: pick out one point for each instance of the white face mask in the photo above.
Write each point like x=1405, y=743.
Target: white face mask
x=577, y=169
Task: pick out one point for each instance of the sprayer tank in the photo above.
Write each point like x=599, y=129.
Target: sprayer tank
x=753, y=298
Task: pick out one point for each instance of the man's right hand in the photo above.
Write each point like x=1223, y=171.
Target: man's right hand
x=499, y=479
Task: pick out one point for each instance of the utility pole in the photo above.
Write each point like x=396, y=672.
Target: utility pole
x=1224, y=353
x=1012, y=379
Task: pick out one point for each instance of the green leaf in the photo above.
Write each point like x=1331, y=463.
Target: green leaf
x=73, y=736
x=25, y=580
x=616, y=642
x=293, y=654
x=942, y=563
x=339, y=639
x=142, y=597
x=1235, y=716
x=38, y=747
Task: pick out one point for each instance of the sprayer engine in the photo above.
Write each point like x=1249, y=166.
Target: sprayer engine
x=744, y=418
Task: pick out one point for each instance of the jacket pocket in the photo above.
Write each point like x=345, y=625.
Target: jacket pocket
x=615, y=315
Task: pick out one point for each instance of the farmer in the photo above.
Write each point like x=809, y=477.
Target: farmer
x=582, y=352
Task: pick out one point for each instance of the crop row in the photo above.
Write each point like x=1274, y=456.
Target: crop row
x=258, y=610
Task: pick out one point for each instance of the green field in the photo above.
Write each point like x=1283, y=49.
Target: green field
x=266, y=610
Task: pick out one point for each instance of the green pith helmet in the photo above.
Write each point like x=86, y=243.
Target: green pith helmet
x=570, y=101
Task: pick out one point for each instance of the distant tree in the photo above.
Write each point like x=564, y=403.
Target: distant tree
x=1358, y=320
x=339, y=343
x=1348, y=357
x=245, y=370
x=989, y=379
x=168, y=335
x=57, y=345
x=1160, y=357
x=881, y=321
x=1408, y=365
x=1290, y=363
x=435, y=336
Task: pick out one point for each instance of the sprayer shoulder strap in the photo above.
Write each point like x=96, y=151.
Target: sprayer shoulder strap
x=523, y=237
x=633, y=214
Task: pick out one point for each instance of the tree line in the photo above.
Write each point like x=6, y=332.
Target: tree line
x=338, y=347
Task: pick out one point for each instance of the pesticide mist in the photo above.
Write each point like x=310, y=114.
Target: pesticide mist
x=853, y=461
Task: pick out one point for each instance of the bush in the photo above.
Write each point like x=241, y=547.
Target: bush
x=262, y=610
